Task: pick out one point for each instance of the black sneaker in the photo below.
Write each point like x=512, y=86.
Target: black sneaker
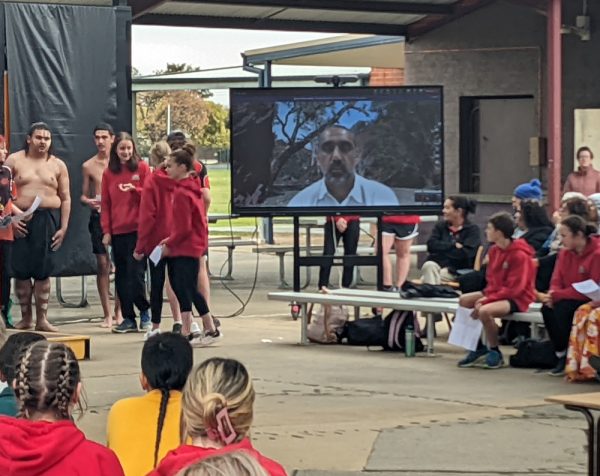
x=390, y=289
x=128, y=325
x=559, y=370
x=176, y=328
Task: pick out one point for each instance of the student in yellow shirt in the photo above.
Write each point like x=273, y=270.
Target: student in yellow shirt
x=166, y=362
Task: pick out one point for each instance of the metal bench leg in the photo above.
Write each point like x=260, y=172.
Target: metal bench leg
x=303, y=323
x=282, y=282
x=356, y=313
x=82, y=303
x=430, y=332
x=535, y=331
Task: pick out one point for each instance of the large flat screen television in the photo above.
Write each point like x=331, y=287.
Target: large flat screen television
x=319, y=151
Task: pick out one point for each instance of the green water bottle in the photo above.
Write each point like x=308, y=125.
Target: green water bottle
x=409, y=341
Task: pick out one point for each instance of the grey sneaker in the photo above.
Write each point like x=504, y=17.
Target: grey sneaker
x=473, y=358
x=209, y=338
x=145, y=320
x=151, y=333
x=559, y=370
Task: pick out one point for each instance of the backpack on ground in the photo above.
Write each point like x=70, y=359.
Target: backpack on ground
x=388, y=333
x=534, y=354
x=324, y=324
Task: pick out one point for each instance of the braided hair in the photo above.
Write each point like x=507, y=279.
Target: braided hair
x=166, y=362
x=46, y=380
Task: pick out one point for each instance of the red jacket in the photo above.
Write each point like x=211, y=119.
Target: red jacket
x=348, y=218
x=120, y=209
x=189, y=231
x=156, y=211
x=510, y=274
x=573, y=268
x=402, y=219
x=32, y=448
x=187, y=455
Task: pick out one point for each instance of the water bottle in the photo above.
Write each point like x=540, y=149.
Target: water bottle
x=409, y=341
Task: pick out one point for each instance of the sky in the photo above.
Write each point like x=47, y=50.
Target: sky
x=154, y=46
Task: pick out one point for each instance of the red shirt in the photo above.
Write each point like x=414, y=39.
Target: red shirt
x=189, y=230
x=402, y=219
x=120, y=209
x=156, y=211
x=186, y=455
x=348, y=218
x=510, y=274
x=30, y=448
x=573, y=268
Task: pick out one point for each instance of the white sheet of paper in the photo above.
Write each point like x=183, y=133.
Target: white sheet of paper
x=465, y=330
x=34, y=206
x=156, y=255
x=589, y=288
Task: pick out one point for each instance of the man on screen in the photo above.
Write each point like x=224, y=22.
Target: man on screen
x=338, y=157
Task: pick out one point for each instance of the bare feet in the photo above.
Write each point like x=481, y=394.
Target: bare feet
x=23, y=326
x=45, y=326
x=107, y=323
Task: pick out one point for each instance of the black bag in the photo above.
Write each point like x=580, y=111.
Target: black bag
x=412, y=290
x=388, y=333
x=534, y=354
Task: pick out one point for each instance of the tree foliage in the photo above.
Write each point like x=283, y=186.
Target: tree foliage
x=204, y=122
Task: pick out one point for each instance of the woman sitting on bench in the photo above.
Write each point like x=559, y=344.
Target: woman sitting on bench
x=510, y=277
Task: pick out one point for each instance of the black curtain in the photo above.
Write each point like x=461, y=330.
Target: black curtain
x=66, y=67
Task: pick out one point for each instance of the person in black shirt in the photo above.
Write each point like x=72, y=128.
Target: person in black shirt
x=453, y=242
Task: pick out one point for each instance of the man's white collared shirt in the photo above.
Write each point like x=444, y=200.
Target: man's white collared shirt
x=364, y=193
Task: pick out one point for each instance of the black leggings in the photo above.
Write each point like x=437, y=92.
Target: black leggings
x=183, y=273
x=350, y=239
x=129, y=275
x=157, y=286
x=558, y=321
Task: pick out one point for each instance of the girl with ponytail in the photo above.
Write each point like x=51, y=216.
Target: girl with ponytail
x=217, y=413
x=166, y=362
x=43, y=439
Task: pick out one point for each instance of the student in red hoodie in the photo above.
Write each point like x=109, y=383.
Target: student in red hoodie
x=510, y=288
x=122, y=184
x=217, y=412
x=577, y=261
x=43, y=440
x=155, y=221
x=187, y=241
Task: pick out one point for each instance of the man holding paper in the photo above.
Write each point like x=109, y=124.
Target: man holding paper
x=42, y=181
x=510, y=277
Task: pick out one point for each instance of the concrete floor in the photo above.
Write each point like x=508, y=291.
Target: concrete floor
x=340, y=411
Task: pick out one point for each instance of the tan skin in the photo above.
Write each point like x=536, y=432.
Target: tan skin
x=337, y=157
x=37, y=173
x=3, y=156
x=487, y=313
x=584, y=159
x=92, y=171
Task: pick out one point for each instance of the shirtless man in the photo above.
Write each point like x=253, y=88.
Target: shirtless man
x=92, y=171
x=38, y=173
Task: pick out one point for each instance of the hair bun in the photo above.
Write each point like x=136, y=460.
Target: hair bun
x=189, y=148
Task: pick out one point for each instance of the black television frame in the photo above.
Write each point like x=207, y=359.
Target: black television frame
x=273, y=211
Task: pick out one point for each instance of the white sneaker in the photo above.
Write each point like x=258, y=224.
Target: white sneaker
x=150, y=333
x=209, y=338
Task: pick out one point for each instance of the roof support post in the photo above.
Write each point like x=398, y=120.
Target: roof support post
x=554, y=60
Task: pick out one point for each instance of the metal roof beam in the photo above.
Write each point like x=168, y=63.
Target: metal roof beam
x=371, y=6
x=140, y=7
x=271, y=24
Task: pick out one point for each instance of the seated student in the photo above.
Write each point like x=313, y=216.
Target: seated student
x=531, y=191
x=9, y=353
x=218, y=408
x=578, y=260
x=152, y=421
x=238, y=463
x=536, y=226
x=453, y=243
x=44, y=438
x=510, y=276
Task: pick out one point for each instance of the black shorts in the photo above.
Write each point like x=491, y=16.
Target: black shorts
x=32, y=256
x=513, y=306
x=96, y=234
x=400, y=231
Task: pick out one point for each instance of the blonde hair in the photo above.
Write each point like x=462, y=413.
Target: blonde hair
x=159, y=153
x=212, y=386
x=236, y=463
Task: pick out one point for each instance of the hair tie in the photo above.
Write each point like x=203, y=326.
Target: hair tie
x=224, y=431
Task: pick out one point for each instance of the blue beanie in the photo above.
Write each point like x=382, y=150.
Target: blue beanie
x=531, y=190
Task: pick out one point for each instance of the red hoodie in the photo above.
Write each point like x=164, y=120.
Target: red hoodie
x=120, y=209
x=510, y=274
x=156, y=211
x=186, y=455
x=402, y=219
x=573, y=268
x=189, y=230
x=32, y=448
